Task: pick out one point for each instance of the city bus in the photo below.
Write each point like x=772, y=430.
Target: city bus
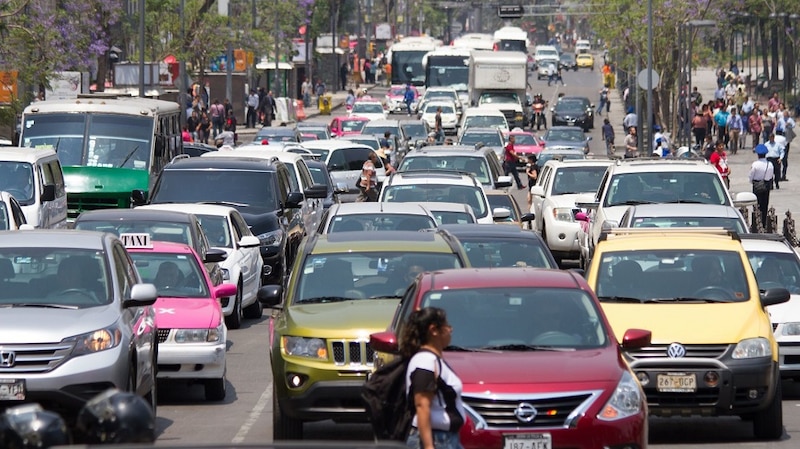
x=109, y=147
x=511, y=38
x=406, y=56
x=448, y=66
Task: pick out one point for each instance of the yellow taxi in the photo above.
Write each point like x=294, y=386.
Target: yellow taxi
x=712, y=351
x=585, y=61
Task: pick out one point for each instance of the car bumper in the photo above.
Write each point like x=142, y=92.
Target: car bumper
x=191, y=360
x=789, y=359
x=273, y=266
x=744, y=386
x=562, y=238
x=68, y=387
x=584, y=123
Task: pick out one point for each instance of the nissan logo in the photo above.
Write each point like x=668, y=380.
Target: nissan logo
x=7, y=359
x=676, y=351
x=525, y=412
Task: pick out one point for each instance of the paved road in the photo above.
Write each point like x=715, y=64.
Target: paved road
x=246, y=414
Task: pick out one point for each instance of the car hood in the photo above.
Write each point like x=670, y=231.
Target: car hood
x=614, y=213
x=788, y=312
x=187, y=313
x=689, y=323
x=260, y=220
x=350, y=319
x=499, y=372
x=40, y=325
x=566, y=200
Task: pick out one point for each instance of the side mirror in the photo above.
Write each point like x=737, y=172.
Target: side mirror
x=225, y=290
x=215, y=255
x=589, y=138
x=501, y=213
x=249, y=241
x=527, y=217
x=48, y=193
x=609, y=225
x=537, y=191
x=316, y=191
x=293, y=200
x=385, y=341
x=270, y=295
x=141, y=295
x=138, y=197
x=503, y=181
x=772, y=296
x=341, y=188
x=744, y=199
x=636, y=338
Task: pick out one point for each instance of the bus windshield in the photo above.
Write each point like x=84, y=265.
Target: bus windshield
x=407, y=67
x=94, y=140
x=450, y=71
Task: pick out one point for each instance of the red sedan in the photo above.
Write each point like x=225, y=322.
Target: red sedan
x=539, y=363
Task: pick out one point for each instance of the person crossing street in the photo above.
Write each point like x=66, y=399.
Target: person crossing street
x=510, y=162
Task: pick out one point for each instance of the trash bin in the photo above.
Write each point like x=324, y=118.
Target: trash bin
x=325, y=104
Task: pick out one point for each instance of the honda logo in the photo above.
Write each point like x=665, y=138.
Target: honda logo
x=676, y=351
x=7, y=359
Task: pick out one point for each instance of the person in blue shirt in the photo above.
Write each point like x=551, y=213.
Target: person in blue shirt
x=408, y=97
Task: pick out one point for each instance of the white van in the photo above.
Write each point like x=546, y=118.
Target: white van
x=34, y=177
x=582, y=46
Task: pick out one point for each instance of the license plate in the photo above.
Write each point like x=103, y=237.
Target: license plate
x=528, y=441
x=677, y=383
x=12, y=389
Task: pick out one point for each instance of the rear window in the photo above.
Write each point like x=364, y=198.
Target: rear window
x=493, y=253
x=381, y=222
x=349, y=159
x=438, y=193
x=241, y=188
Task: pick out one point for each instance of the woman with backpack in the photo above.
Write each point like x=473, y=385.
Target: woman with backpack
x=432, y=386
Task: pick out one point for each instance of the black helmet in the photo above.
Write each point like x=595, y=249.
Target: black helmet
x=116, y=417
x=29, y=426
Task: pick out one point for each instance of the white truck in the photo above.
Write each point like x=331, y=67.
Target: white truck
x=499, y=80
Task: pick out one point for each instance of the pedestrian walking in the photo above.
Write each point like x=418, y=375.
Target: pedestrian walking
x=630, y=120
x=437, y=126
x=756, y=126
x=604, y=101
x=775, y=153
x=368, y=182
x=408, y=98
x=510, y=161
x=789, y=135
x=736, y=127
x=252, y=106
x=431, y=384
x=719, y=159
x=699, y=126
x=305, y=91
x=217, y=113
x=631, y=144
x=760, y=176
x=344, y=71
x=608, y=136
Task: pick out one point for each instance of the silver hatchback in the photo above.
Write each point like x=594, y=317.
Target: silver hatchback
x=77, y=320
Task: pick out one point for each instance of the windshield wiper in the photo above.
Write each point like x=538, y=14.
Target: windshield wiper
x=130, y=155
x=386, y=297
x=688, y=299
x=632, y=203
x=685, y=201
x=619, y=299
x=455, y=348
x=225, y=203
x=325, y=299
x=43, y=306
x=524, y=347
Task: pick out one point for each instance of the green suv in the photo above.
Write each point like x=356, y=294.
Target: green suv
x=343, y=287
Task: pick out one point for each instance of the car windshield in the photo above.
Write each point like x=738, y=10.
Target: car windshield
x=380, y=222
x=361, y=275
x=450, y=217
x=524, y=139
x=174, y=275
x=666, y=187
x=243, y=189
x=577, y=180
x=774, y=270
x=111, y=141
x=352, y=126
x=350, y=159
x=566, y=57
x=520, y=318
x=276, y=135
x=489, y=139
x=54, y=277
x=367, y=108
x=565, y=135
x=546, y=156
x=730, y=223
x=397, y=91
x=164, y=231
x=496, y=97
x=379, y=130
x=672, y=275
x=16, y=178
x=438, y=193
x=569, y=107
x=416, y=130
x=319, y=133
x=446, y=108
x=486, y=121
x=493, y=252
x=431, y=94
x=505, y=202
x=476, y=166
x=217, y=230
x=370, y=142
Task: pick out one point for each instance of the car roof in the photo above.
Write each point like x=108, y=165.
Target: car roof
x=378, y=208
x=440, y=88
x=445, y=207
x=333, y=144
x=164, y=247
x=231, y=162
x=451, y=177
x=499, y=230
x=136, y=214
x=556, y=164
x=774, y=243
x=260, y=153
x=643, y=239
x=483, y=111
x=684, y=210
x=381, y=241
x=277, y=130
x=55, y=238
x=564, y=128
x=448, y=150
x=192, y=208
x=659, y=165
x=382, y=123
x=472, y=278
x=351, y=117
x=482, y=130
x=20, y=154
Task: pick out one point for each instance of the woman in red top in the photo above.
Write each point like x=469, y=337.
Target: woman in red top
x=719, y=159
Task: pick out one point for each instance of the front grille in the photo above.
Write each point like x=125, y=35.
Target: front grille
x=551, y=411
x=163, y=334
x=510, y=114
x=692, y=351
x=352, y=353
x=33, y=358
x=76, y=205
x=703, y=397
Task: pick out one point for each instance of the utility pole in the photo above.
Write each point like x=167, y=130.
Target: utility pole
x=277, y=89
x=229, y=60
x=141, y=48
x=183, y=82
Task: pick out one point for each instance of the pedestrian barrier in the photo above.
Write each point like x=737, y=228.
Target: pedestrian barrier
x=299, y=111
x=788, y=229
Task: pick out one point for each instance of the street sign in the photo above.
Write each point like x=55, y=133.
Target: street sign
x=510, y=11
x=456, y=27
x=641, y=78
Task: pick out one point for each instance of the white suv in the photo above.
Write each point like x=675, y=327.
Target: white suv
x=648, y=181
x=553, y=201
x=439, y=186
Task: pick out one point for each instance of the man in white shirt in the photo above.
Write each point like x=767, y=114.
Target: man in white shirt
x=252, y=105
x=775, y=153
x=761, y=170
x=551, y=72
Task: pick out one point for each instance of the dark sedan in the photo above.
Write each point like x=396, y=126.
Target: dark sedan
x=573, y=111
x=500, y=245
x=565, y=138
x=567, y=62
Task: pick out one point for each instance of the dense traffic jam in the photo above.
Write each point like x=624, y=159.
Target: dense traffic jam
x=575, y=316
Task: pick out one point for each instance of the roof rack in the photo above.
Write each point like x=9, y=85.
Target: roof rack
x=179, y=157
x=618, y=232
x=764, y=236
x=662, y=159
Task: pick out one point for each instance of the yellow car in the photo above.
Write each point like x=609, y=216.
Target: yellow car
x=712, y=351
x=585, y=60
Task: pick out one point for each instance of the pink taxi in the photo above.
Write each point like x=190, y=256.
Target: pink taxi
x=526, y=143
x=346, y=126
x=191, y=327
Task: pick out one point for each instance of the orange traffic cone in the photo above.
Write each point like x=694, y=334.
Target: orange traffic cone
x=299, y=111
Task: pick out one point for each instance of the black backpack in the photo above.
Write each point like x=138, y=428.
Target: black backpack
x=388, y=407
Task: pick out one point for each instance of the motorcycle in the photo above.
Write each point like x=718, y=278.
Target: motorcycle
x=538, y=115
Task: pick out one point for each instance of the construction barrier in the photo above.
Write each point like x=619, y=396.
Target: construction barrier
x=299, y=111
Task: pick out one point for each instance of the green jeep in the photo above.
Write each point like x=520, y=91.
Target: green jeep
x=343, y=287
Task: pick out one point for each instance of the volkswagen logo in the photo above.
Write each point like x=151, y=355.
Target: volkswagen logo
x=7, y=359
x=525, y=412
x=676, y=351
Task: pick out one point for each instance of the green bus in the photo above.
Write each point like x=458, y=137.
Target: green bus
x=108, y=147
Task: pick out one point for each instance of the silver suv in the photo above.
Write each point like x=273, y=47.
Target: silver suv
x=77, y=320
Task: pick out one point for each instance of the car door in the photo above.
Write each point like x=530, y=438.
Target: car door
x=292, y=216
x=312, y=207
x=250, y=261
x=537, y=201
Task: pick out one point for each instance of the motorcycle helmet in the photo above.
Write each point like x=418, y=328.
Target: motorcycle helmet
x=116, y=417
x=29, y=426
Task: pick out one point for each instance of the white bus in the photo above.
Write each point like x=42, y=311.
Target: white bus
x=511, y=39
x=448, y=66
x=111, y=149
x=406, y=56
x=474, y=41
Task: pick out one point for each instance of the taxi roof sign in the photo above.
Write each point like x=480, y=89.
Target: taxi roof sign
x=136, y=240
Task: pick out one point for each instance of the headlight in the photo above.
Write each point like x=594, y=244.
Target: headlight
x=272, y=238
x=97, y=341
x=518, y=116
x=626, y=400
x=752, y=348
x=199, y=335
x=305, y=347
x=792, y=329
x=226, y=274
x=563, y=214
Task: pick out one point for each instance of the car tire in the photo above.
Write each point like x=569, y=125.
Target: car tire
x=152, y=396
x=234, y=320
x=254, y=311
x=215, y=389
x=284, y=427
x=768, y=424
